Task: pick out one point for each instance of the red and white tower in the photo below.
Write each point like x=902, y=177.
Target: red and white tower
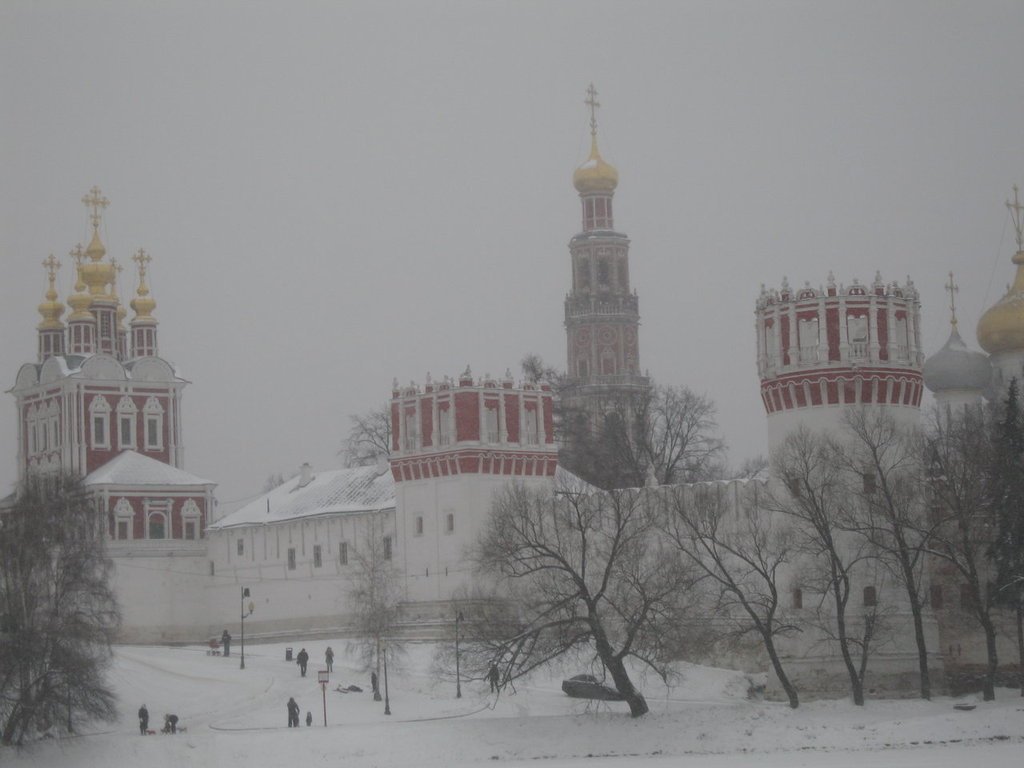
x=821, y=350
x=602, y=314
x=453, y=445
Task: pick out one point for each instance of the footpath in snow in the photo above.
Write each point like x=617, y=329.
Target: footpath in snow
x=238, y=717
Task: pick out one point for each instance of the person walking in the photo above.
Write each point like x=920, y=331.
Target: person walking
x=309, y=718
x=143, y=720
x=329, y=658
x=493, y=677
x=225, y=641
x=302, y=660
x=373, y=684
x=293, y=713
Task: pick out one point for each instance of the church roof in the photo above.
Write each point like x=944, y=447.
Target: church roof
x=360, y=489
x=131, y=468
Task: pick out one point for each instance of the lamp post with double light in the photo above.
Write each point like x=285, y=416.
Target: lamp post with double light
x=252, y=607
x=458, y=676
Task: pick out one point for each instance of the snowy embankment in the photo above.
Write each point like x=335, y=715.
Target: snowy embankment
x=237, y=717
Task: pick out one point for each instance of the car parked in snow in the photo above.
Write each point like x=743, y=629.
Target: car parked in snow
x=589, y=687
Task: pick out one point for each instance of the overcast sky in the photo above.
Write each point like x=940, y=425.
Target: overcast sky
x=335, y=194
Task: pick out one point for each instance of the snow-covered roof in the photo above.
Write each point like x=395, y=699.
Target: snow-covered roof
x=360, y=489
x=131, y=468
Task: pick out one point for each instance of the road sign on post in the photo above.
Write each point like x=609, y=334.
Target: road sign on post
x=323, y=677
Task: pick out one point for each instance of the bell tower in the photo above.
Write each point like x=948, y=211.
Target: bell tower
x=602, y=314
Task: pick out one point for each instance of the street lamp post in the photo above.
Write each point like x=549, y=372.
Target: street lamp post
x=245, y=594
x=458, y=676
x=387, y=700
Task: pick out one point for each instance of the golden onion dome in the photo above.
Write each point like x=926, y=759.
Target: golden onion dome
x=51, y=309
x=80, y=303
x=95, y=274
x=1001, y=328
x=143, y=303
x=595, y=175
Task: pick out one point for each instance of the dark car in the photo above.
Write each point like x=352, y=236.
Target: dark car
x=589, y=687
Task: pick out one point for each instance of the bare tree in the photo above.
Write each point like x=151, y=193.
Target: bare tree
x=958, y=453
x=273, y=480
x=663, y=435
x=369, y=438
x=742, y=552
x=815, y=498
x=59, y=615
x=585, y=572
x=374, y=595
x=891, y=513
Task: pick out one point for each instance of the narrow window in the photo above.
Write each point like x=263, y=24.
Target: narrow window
x=602, y=272
x=190, y=530
x=317, y=562
x=870, y=597
x=935, y=593
x=156, y=526
x=126, y=431
x=419, y=525
x=798, y=598
x=153, y=432
x=291, y=558
x=449, y=522
x=99, y=431
x=122, y=529
x=387, y=547
x=343, y=553
x=241, y=547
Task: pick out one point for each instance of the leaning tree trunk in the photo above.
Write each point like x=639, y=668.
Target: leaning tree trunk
x=989, y=683
x=635, y=699
x=787, y=685
x=922, y=648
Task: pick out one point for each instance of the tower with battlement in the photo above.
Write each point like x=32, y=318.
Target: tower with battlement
x=820, y=350
x=455, y=443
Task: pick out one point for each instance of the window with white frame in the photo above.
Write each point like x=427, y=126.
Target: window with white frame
x=99, y=417
x=530, y=430
x=443, y=426
x=190, y=515
x=491, y=418
x=343, y=553
x=126, y=415
x=411, y=431
x=240, y=547
x=317, y=556
x=291, y=558
x=158, y=518
x=154, y=424
x=387, y=547
x=123, y=516
x=31, y=429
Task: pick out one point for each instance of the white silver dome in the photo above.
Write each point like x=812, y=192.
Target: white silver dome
x=957, y=367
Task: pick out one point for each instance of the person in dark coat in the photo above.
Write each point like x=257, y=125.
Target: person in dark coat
x=373, y=683
x=143, y=720
x=329, y=658
x=302, y=659
x=493, y=677
x=170, y=723
x=293, y=713
x=225, y=640
x=309, y=719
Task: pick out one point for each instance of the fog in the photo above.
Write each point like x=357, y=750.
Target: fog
x=336, y=194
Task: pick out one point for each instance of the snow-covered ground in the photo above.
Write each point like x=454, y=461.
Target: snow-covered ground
x=237, y=717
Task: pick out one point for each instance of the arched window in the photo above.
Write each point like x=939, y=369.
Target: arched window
x=99, y=419
x=157, y=526
x=154, y=424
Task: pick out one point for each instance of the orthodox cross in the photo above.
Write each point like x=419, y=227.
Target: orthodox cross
x=118, y=269
x=77, y=254
x=142, y=259
x=97, y=202
x=1015, y=209
x=952, y=289
x=51, y=265
x=592, y=102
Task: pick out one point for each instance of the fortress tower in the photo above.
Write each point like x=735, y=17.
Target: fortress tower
x=819, y=350
x=454, y=444
x=602, y=314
